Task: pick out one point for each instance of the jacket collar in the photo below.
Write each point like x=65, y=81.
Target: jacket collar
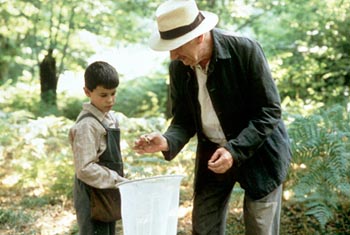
x=219, y=48
x=220, y=45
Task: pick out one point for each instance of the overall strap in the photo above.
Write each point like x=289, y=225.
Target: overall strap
x=90, y=115
x=111, y=157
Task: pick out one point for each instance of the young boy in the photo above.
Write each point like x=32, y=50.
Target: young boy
x=95, y=141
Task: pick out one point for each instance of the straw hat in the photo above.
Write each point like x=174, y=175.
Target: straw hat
x=180, y=21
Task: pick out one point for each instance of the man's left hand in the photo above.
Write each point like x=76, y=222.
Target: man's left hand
x=220, y=161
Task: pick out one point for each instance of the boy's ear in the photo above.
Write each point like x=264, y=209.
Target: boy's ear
x=87, y=92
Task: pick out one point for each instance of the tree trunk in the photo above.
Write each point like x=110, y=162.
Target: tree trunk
x=48, y=79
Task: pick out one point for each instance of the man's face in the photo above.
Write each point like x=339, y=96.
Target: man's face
x=187, y=53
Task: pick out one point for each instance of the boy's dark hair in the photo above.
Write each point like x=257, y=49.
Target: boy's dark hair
x=102, y=74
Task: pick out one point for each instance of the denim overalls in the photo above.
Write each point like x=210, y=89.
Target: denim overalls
x=110, y=158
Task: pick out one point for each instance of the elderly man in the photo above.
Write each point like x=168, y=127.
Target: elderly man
x=222, y=91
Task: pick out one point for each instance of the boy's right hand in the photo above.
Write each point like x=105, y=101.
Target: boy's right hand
x=121, y=179
x=150, y=143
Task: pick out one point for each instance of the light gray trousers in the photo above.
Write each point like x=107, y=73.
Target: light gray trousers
x=261, y=217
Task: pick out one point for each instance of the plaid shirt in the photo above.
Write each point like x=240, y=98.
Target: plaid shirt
x=88, y=141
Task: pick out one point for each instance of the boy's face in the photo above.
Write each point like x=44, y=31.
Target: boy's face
x=102, y=98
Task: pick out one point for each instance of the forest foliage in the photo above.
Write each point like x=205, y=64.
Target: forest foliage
x=307, y=43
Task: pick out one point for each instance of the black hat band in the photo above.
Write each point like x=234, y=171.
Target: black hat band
x=177, y=32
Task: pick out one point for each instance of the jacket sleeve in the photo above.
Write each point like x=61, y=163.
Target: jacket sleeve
x=263, y=100
x=182, y=127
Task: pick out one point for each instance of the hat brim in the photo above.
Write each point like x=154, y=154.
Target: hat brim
x=159, y=44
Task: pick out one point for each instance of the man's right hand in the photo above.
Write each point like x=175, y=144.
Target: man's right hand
x=150, y=143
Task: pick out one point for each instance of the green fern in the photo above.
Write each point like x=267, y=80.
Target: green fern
x=321, y=161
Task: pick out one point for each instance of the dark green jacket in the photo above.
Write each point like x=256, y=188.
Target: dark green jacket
x=247, y=104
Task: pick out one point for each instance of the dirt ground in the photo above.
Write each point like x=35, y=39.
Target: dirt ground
x=59, y=219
